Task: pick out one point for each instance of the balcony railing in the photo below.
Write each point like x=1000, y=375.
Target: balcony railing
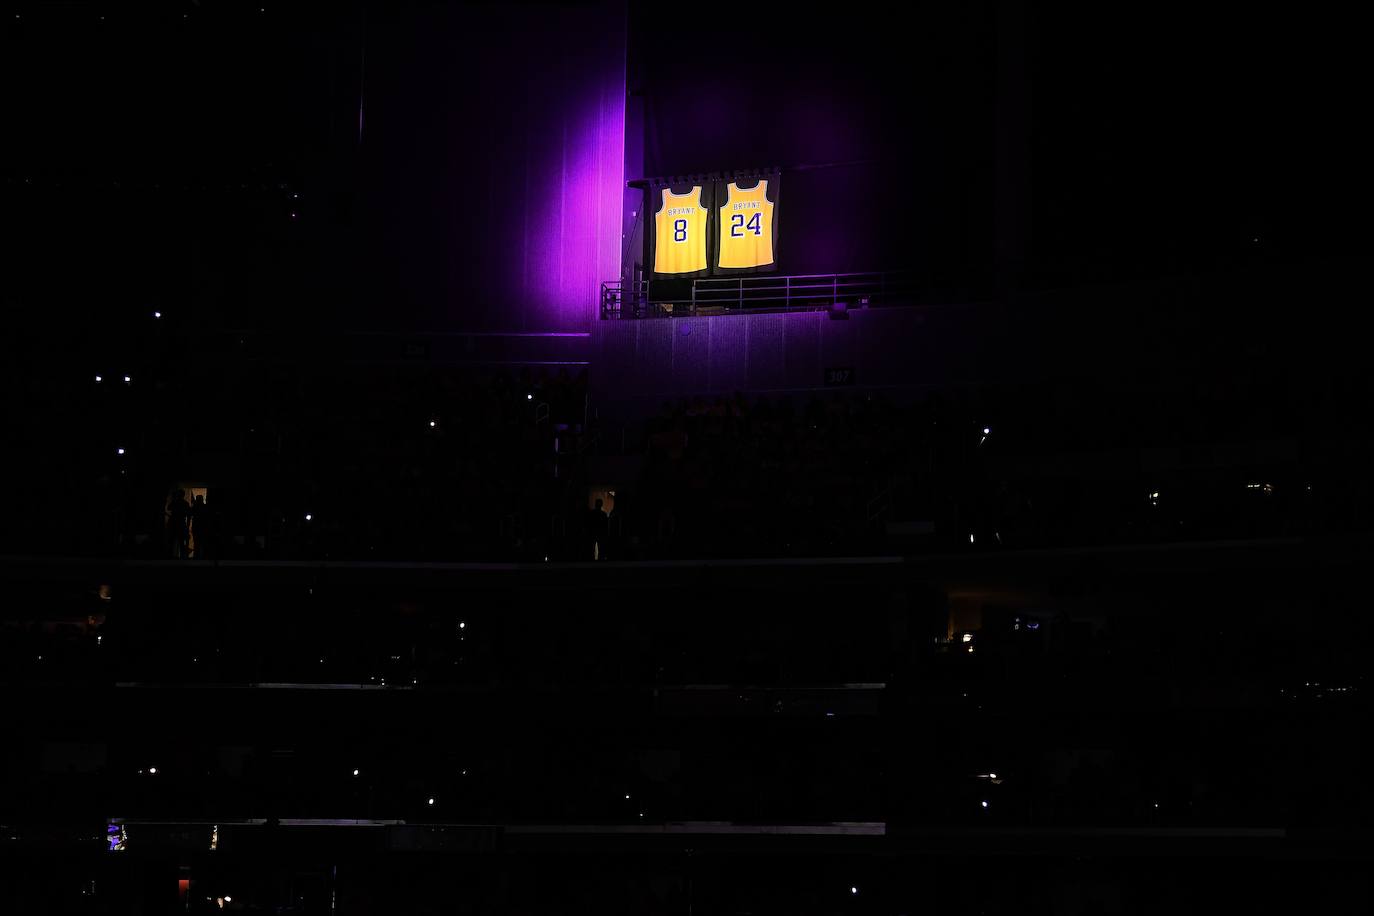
x=757, y=293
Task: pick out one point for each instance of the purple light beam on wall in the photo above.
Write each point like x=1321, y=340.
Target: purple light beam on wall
x=575, y=177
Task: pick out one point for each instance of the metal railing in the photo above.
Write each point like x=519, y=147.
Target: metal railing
x=758, y=293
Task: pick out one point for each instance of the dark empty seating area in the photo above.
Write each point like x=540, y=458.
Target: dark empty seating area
x=366, y=461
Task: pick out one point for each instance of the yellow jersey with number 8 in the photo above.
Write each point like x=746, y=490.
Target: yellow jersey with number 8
x=746, y=227
x=680, y=233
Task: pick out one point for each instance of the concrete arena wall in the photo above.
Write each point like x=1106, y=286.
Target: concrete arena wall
x=719, y=354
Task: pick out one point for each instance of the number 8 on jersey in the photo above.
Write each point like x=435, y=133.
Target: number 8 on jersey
x=680, y=233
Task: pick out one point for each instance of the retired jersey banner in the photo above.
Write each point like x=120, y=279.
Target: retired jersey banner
x=747, y=225
x=680, y=241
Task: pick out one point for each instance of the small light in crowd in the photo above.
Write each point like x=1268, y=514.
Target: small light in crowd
x=119, y=451
x=432, y=424
x=627, y=795
x=529, y=397
x=152, y=771
x=968, y=637
x=987, y=430
x=127, y=380
x=98, y=380
x=228, y=899
x=308, y=516
x=462, y=624
x=157, y=314
x=853, y=890
x=431, y=801
x=992, y=776
x=970, y=537
x=985, y=804
x=355, y=771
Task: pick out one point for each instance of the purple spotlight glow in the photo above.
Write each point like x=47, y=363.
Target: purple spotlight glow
x=559, y=173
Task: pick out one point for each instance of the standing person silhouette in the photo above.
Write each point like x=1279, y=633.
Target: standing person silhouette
x=598, y=530
x=201, y=528
x=178, y=523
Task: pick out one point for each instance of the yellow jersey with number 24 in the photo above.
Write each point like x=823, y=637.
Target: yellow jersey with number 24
x=746, y=227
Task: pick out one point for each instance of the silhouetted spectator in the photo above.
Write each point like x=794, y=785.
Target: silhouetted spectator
x=178, y=523
x=598, y=530
x=202, y=528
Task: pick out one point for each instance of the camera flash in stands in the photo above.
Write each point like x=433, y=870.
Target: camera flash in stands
x=98, y=380
x=529, y=397
x=432, y=424
x=985, y=804
x=355, y=771
x=308, y=516
x=431, y=801
x=127, y=380
x=152, y=770
x=462, y=624
x=119, y=451
x=853, y=890
x=157, y=314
